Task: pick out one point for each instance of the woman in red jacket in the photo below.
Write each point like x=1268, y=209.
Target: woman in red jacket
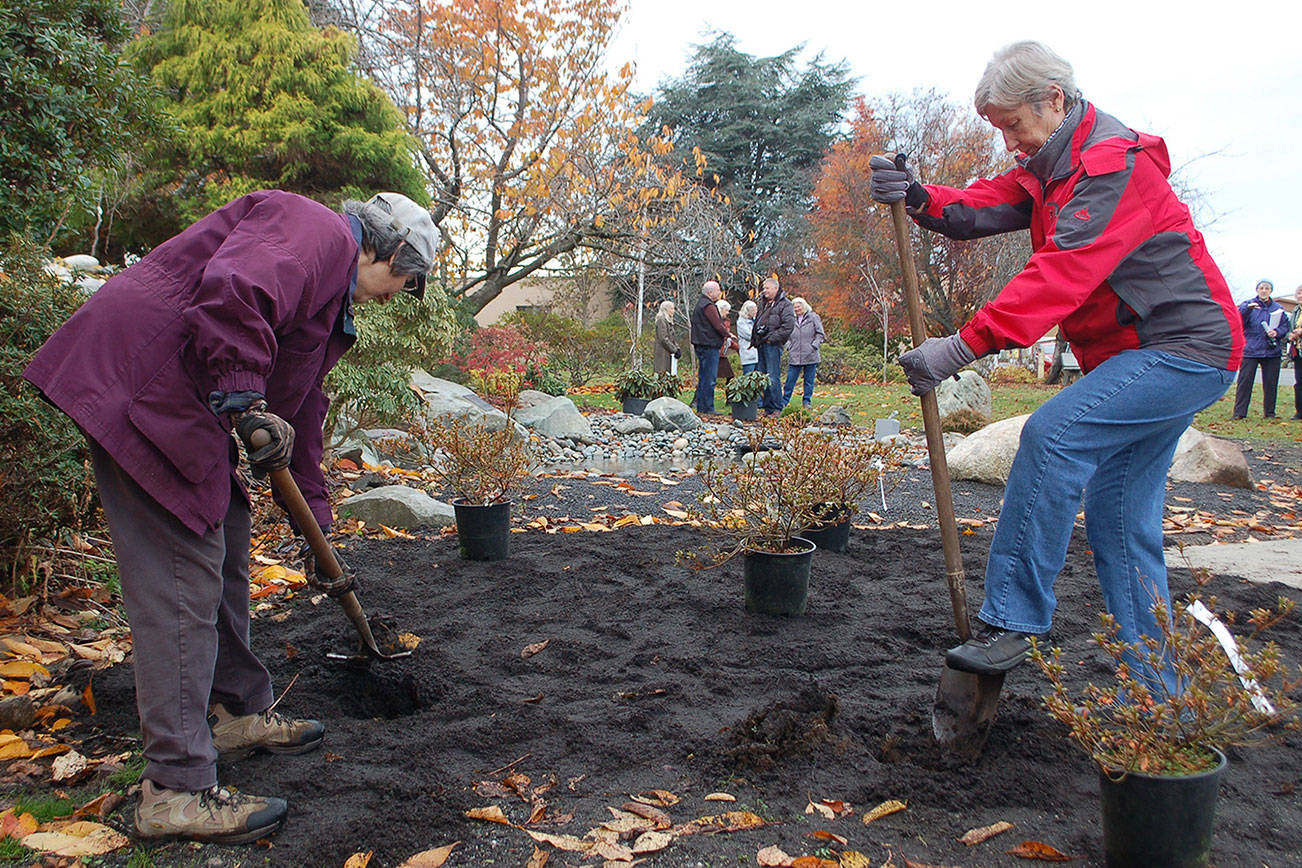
x=1118, y=265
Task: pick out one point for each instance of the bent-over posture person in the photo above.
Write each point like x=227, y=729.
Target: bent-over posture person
x=1118, y=265
x=232, y=324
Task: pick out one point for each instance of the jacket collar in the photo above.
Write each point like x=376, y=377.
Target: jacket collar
x=1057, y=155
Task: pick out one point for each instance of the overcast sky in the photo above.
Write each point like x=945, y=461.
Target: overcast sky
x=1222, y=83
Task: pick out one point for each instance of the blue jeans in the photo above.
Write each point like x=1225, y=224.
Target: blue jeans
x=770, y=362
x=1110, y=437
x=749, y=366
x=707, y=359
x=794, y=371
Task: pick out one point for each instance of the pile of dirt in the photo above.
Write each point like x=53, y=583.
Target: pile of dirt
x=652, y=677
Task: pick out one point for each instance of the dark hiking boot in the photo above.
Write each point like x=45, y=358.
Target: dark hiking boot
x=238, y=736
x=217, y=816
x=990, y=651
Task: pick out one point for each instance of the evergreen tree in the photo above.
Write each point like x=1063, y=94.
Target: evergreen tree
x=262, y=99
x=763, y=124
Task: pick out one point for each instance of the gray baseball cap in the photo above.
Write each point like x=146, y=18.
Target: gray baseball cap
x=414, y=225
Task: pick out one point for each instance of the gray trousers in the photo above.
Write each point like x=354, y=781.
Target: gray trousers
x=187, y=598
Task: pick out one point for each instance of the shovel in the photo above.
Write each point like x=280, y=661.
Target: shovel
x=965, y=701
x=297, y=507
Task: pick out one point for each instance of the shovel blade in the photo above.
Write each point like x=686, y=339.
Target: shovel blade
x=965, y=707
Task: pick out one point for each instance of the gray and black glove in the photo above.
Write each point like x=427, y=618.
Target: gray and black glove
x=893, y=181
x=346, y=582
x=277, y=453
x=934, y=360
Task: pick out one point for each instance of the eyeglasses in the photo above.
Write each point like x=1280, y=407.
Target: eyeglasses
x=410, y=284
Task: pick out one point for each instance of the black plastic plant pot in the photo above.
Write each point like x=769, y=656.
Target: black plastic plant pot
x=634, y=406
x=747, y=412
x=830, y=537
x=1159, y=821
x=484, y=532
x=777, y=584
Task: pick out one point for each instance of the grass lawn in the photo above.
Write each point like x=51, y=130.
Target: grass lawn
x=871, y=401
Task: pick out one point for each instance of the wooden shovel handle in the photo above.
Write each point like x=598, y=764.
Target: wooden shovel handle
x=954, y=575
x=296, y=506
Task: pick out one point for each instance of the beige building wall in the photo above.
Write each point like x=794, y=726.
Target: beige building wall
x=561, y=295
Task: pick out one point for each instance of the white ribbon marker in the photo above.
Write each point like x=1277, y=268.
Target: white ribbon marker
x=1222, y=634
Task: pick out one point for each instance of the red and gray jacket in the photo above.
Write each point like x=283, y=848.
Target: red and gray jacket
x=1116, y=261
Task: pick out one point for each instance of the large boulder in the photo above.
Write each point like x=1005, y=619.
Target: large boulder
x=531, y=398
x=987, y=455
x=670, y=414
x=556, y=418
x=1199, y=458
x=835, y=415
x=968, y=392
x=397, y=506
x=447, y=402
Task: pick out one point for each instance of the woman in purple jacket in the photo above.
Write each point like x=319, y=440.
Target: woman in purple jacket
x=233, y=324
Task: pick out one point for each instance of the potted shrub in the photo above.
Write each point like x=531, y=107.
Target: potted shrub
x=850, y=466
x=743, y=393
x=482, y=462
x=1160, y=751
x=757, y=507
x=668, y=385
x=635, y=388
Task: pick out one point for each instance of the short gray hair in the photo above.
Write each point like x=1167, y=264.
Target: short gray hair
x=662, y=312
x=723, y=305
x=749, y=308
x=1023, y=73
x=800, y=300
x=379, y=237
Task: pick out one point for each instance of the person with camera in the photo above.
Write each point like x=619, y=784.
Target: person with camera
x=231, y=325
x=774, y=322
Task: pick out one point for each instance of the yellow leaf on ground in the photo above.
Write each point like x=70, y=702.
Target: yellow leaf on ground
x=984, y=833
x=884, y=809
x=560, y=842
x=22, y=669
x=657, y=797
x=825, y=810
x=78, y=838
x=812, y=862
x=51, y=750
x=676, y=513
x=13, y=747
x=430, y=858
x=538, y=859
x=492, y=814
x=359, y=860
x=855, y=859
x=720, y=797
x=17, y=826
x=1029, y=850
x=627, y=520
x=652, y=842
x=773, y=857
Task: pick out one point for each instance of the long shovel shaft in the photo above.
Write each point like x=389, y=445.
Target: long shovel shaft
x=954, y=575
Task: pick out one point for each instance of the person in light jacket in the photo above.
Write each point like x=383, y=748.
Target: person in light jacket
x=773, y=324
x=802, y=351
x=745, y=322
x=666, y=349
x=231, y=325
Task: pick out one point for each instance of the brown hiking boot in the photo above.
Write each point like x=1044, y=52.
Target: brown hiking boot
x=238, y=736
x=217, y=816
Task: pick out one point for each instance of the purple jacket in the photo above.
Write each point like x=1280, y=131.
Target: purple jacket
x=247, y=299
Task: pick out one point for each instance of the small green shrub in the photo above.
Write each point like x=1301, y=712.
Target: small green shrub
x=965, y=421
x=797, y=415
x=45, y=479
x=637, y=383
x=842, y=363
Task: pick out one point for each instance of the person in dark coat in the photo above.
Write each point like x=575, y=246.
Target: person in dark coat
x=709, y=332
x=1265, y=335
x=231, y=325
x=773, y=325
x=666, y=348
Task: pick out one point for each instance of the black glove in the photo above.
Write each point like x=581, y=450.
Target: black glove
x=892, y=183
x=933, y=361
x=276, y=454
x=678, y=352
x=346, y=582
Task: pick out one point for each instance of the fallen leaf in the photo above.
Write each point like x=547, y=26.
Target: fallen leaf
x=611, y=851
x=78, y=838
x=359, y=860
x=491, y=789
x=538, y=859
x=884, y=809
x=657, y=797
x=825, y=810
x=51, y=750
x=773, y=856
x=812, y=862
x=720, y=797
x=100, y=806
x=530, y=650
x=855, y=859
x=492, y=814
x=654, y=814
x=22, y=669
x=17, y=826
x=68, y=766
x=430, y=858
x=1037, y=850
x=824, y=835
x=984, y=833
x=561, y=842
x=12, y=747
x=651, y=842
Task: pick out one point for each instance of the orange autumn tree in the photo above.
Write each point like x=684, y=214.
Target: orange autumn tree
x=526, y=138
x=856, y=274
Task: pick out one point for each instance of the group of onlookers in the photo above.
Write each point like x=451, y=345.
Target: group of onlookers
x=764, y=327
x=1269, y=334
